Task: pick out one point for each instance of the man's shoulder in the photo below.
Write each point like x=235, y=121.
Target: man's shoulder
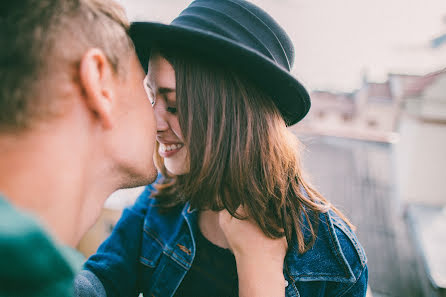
x=29, y=257
x=20, y=232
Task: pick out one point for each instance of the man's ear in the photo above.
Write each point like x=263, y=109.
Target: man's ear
x=97, y=80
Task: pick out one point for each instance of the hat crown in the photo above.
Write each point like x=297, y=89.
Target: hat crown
x=242, y=22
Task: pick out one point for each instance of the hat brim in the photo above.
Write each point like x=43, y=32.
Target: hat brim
x=289, y=95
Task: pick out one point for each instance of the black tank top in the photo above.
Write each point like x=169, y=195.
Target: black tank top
x=213, y=272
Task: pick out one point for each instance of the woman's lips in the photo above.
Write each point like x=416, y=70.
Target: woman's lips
x=166, y=150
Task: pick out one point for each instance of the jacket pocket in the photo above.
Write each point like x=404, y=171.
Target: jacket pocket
x=151, y=248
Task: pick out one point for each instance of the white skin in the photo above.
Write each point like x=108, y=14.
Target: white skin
x=160, y=83
x=63, y=168
x=260, y=269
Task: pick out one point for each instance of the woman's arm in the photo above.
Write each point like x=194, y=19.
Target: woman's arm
x=259, y=258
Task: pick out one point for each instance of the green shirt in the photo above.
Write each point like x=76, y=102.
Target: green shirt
x=31, y=263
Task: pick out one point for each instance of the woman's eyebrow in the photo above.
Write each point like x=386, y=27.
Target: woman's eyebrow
x=163, y=90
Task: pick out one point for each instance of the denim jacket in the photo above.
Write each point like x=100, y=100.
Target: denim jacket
x=150, y=252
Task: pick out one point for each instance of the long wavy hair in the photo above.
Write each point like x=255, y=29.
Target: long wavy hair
x=241, y=153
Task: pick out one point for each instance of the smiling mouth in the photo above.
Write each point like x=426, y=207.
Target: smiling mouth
x=167, y=150
x=170, y=147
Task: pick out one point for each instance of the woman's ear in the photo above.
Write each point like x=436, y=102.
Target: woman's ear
x=97, y=80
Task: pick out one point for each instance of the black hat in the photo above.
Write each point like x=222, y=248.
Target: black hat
x=239, y=34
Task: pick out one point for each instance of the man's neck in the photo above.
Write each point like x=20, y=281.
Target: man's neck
x=47, y=175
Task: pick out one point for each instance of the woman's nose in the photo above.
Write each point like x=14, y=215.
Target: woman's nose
x=161, y=118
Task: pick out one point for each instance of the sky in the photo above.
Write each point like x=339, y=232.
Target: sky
x=338, y=42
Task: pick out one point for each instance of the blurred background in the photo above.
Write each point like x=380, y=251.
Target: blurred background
x=375, y=137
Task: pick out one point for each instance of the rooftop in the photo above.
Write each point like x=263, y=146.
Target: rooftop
x=417, y=87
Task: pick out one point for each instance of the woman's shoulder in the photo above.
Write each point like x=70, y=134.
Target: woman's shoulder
x=336, y=256
x=348, y=241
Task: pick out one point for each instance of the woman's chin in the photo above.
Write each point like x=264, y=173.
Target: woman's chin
x=178, y=163
x=175, y=170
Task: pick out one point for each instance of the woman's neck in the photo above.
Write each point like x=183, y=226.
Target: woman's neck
x=210, y=228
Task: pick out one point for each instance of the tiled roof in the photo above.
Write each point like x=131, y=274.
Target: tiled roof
x=418, y=86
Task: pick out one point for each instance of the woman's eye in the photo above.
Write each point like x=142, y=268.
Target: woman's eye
x=172, y=110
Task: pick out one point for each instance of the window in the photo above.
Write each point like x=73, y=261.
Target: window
x=372, y=123
x=346, y=117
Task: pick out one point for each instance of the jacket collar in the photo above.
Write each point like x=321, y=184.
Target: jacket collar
x=325, y=261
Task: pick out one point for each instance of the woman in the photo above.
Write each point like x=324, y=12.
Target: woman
x=219, y=81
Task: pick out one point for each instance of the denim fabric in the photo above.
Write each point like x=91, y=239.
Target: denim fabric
x=86, y=284
x=151, y=251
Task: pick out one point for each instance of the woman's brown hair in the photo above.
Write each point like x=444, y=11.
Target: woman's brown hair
x=241, y=153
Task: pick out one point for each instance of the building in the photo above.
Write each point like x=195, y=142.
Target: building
x=420, y=157
x=421, y=151
x=332, y=111
x=368, y=113
x=376, y=107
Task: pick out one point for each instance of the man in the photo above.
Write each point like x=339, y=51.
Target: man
x=75, y=125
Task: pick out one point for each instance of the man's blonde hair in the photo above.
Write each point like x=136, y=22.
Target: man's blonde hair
x=41, y=39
